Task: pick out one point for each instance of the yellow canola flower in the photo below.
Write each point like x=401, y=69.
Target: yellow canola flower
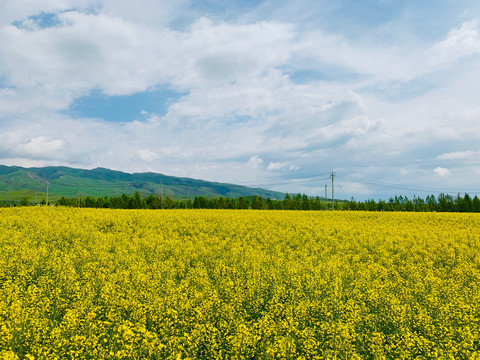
x=219, y=284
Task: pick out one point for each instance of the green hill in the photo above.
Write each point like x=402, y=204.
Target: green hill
x=17, y=183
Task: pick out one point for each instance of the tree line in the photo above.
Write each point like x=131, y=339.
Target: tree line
x=135, y=201
x=441, y=203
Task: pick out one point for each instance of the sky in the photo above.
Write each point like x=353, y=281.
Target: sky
x=275, y=94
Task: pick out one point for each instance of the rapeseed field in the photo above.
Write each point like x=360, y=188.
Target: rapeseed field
x=213, y=284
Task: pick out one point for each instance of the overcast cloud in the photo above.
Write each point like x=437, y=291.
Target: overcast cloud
x=263, y=93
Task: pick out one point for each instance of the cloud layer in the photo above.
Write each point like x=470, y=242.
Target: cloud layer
x=268, y=91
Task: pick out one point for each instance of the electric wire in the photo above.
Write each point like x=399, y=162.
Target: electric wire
x=404, y=186
x=285, y=178
x=265, y=182
x=297, y=181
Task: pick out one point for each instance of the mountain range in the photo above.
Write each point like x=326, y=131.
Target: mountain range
x=18, y=183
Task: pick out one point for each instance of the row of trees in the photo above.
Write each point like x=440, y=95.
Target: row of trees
x=442, y=203
x=290, y=202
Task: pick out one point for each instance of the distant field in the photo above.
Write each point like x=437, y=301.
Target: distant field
x=211, y=284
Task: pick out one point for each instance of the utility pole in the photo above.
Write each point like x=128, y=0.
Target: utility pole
x=78, y=198
x=47, y=192
x=333, y=201
x=185, y=201
x=326, y=198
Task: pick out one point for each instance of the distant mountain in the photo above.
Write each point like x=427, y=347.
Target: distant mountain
x=17, y=183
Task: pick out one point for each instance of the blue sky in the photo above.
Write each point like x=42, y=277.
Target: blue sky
x=270, y=93
x=123, y=108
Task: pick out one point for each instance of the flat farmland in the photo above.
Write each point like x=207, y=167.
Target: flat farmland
x=219, y=284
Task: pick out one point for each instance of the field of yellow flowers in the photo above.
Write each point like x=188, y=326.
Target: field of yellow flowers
x=213, y=284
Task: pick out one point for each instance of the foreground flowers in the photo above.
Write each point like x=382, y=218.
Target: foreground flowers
x=114, y=284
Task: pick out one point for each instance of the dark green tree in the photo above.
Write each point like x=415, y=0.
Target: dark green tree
x=257, y=203
x=476, y=204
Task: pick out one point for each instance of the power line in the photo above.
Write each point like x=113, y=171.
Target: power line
x=285, y=178
x=341, y=189
x=266, y=182
x=298, y=181
x=406, y=187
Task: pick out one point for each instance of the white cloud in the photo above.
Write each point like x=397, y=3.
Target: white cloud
x=457, y=155
x=68, y=58
x=255, y=162
x=460, y=42
x=146, y=155
x=125, y=57
x=442, y=172
x=274, y=166
x=41, y=148
x=281, y=166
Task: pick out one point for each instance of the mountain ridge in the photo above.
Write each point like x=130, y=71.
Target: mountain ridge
x=18, y=182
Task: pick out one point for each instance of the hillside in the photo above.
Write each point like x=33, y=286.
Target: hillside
x=17, y=183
